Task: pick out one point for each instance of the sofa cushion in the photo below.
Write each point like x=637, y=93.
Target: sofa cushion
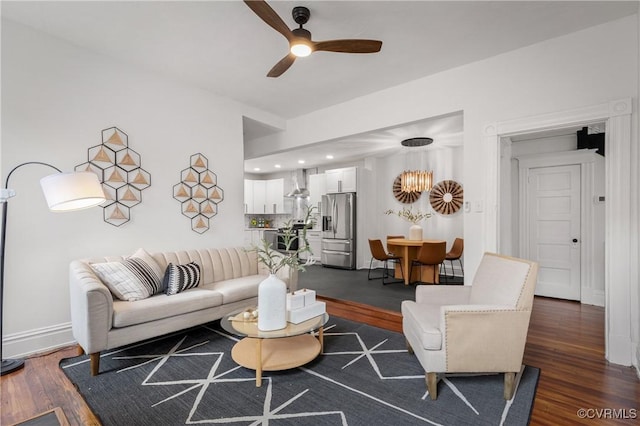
x=178, y=278
x=134, y=278
x=237, y=289
x=163, y=306
x=425, y=319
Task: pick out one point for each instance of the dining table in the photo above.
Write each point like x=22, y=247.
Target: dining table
x=408, y=251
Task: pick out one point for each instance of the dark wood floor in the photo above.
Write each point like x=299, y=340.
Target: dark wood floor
x=566, y=341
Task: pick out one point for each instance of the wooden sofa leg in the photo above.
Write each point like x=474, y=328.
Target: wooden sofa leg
x=509, y=385
x=79, y=351
x=432, y=385
x=95, y=363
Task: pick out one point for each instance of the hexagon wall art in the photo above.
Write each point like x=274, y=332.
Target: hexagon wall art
x=119, y=170
x=198, y=193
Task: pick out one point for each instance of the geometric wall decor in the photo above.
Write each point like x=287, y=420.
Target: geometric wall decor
x=446, y=197
x=198, y=193
x=118, y=169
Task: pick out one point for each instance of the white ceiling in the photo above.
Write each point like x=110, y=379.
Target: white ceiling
x=198, y=42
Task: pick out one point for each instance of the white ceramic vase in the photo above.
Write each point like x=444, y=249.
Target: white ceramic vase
x=415, y=232
x=272, y=304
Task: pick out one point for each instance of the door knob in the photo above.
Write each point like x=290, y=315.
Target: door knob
x=575, y=240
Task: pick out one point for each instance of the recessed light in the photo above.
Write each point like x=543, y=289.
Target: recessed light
x=277, y=166
x=329, y=157
x=300, y=161
x=256, y=169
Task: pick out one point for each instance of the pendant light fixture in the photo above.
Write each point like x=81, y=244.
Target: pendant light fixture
x=416, y=180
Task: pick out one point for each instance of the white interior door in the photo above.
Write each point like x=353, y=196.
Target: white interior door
x=554, y=229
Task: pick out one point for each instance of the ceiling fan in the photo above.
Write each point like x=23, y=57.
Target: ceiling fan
x=300, y=43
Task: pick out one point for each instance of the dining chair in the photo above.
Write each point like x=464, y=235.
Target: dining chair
x=430, y=254
x=378, y=253
x=391, y=237
x=455, y=254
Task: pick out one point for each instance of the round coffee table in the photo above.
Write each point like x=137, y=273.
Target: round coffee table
x=276, y=350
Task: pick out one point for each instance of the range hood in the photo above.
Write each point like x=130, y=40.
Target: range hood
x=297, y=192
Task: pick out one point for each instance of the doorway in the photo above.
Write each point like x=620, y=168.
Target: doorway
x=621, y=302
x=556, y=218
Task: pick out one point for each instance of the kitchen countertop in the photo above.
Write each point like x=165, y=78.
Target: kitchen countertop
x=256, y=228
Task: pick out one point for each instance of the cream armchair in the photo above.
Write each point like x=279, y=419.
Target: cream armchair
x=473, y=329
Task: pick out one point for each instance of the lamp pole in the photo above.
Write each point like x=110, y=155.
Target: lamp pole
x=9, y=365
x=64, y=192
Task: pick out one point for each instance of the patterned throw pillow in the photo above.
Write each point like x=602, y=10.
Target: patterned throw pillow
x=134, y=278
x=178, y=278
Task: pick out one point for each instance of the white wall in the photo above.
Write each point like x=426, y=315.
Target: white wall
x=555, y=75
x=446, y=163
x=56, y=99
x=55, y=95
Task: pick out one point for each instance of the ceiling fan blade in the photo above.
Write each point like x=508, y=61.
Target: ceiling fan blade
x=283, y=65
x=268, y=15
x=348, y=46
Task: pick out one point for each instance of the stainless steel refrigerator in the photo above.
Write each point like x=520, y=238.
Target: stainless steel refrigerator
x=339, y=230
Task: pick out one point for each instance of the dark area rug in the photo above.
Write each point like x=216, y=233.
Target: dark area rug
x=365, y=376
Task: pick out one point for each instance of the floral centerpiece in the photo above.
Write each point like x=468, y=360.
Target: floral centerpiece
x=409, y=215
x=415, y=231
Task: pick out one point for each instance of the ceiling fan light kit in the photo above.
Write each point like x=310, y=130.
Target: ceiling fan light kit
x=300, y=42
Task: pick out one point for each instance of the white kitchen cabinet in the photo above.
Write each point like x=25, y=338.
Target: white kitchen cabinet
x=341, y=180
x=314, y=238
x=259, y=196
x=248, y=196
x=252, y=236
x=275, y=196
x=264, y=196
x=317, y=188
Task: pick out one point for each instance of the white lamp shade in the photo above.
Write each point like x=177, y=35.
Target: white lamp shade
x=72, y=191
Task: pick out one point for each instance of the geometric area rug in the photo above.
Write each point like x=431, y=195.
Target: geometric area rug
x=365, y=376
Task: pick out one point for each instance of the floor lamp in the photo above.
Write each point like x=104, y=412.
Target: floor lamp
x=63, y=192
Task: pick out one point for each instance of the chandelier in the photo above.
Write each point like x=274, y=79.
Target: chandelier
x=416, y=180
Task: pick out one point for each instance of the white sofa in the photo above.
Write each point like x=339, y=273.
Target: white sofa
x=229, y=282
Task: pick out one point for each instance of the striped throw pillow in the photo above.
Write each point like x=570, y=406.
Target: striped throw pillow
x=134, y=278
x=178, y=278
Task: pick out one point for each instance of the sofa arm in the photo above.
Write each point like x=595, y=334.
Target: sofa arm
x=484, y=338
x=91, y=308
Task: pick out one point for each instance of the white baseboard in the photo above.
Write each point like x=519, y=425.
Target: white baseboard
x=41, y=340
x=592, y=299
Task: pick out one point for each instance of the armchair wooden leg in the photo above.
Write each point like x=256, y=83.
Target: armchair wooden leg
x=509, y=385
x=95, y=363
x=80, y=351
x=432, y=385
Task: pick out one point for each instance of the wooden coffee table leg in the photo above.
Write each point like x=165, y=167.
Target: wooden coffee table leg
x=321, y=338
x=258, y=363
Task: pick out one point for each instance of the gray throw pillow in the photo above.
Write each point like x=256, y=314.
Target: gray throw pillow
x=134, y=278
